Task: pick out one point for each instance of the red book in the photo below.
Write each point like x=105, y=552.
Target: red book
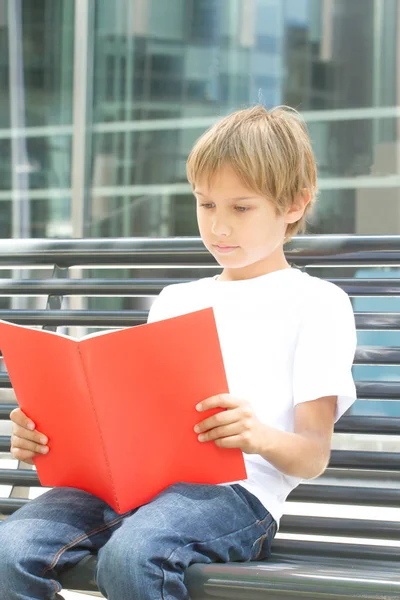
x=118, y=407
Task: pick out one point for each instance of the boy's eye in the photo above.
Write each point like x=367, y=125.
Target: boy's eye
x=211, y=205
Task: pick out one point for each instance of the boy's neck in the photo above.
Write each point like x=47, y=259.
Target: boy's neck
x=251, y=271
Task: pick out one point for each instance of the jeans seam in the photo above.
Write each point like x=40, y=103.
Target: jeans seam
x=262, y=538
x=260, y=522
x=57, y=586
x=247, y=504
x=220, y=537
x=78, y=539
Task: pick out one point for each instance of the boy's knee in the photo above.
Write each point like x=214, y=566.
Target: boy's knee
x=21, y=562
x=15, y=541
x=122, y=551
x=148, y=565
x=128, y=561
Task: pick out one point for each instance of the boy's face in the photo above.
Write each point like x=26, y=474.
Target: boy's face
x=240, y=228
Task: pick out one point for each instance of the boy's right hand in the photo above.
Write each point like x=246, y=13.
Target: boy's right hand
x=26, y=442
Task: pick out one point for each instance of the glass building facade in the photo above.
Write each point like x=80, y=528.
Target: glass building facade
x=100, y=103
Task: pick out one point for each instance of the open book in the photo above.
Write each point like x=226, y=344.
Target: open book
x=118, y=406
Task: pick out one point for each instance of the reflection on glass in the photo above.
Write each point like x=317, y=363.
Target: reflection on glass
x=35, y=116
x=165, y=72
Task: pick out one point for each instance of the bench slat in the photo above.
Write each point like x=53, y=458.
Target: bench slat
x=88, y=318
x=342, y=527
x=10, y=505
x=302, y=250
x=314, y=493
x=86, y=287
x=348, y=459
x=366, y=390
x=386, y=461
x=121, y=287
x=343, y=494
x=377, y=355
x=380, y=321
x=114, y=318
x=367, y=424
x=283, y=578
x=19, y=477
x=347, y=424
x=378, y=390
x=5, y=410
x=4, y=443
x=300, y=548
x=367, y=287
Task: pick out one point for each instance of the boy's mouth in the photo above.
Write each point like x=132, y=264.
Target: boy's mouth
x=225, y=249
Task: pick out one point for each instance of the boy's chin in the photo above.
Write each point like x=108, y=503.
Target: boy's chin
x=230, y=263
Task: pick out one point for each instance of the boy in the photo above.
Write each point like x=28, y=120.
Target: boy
x=288, y=341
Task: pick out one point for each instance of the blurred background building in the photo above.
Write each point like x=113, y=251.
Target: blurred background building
x=100, y=103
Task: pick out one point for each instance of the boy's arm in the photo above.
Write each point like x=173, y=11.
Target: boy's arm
x=306, y=452
x=303, y=453
x=322, y=390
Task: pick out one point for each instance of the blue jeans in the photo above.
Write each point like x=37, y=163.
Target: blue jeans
x=142, y=554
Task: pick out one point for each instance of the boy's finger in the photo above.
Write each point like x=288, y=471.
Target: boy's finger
x=22, y=444
x=23, y=455
x=222, y=418
x=218, y=401
x=234, y=441
x=220, y=432
x=33, y=436
x=20, y=418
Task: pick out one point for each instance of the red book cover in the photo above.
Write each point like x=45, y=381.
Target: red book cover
x=118, y=407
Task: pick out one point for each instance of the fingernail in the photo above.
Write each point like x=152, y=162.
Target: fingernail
x=31, y=426
x=43, y=440
x=198, y=406
x=197, y=429
x=44, y=450
x=201, y=438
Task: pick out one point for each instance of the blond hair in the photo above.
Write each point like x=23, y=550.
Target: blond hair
x=270, y=151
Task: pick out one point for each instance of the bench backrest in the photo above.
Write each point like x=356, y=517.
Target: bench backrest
x=363, y=478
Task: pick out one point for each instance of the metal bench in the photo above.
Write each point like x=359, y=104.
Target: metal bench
x=316, y=554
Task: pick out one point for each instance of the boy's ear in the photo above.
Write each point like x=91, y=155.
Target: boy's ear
x=298, y=206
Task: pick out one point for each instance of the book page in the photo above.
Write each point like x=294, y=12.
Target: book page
x=146, y=382
x=64, y=335
x=97, y=333
x=51, y=388
x=45, y=331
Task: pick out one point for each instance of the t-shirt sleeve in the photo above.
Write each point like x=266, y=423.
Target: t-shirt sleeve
x=164, y=306
x=156, y=312
x=325, y=350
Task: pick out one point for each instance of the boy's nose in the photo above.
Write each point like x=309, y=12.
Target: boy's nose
x=220, y=227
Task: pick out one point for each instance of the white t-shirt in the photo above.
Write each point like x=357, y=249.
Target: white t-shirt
x=286, y=337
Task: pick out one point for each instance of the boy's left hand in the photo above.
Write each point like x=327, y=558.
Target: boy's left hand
x=235, y=427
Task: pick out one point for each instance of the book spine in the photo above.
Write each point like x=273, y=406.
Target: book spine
x=108, y=465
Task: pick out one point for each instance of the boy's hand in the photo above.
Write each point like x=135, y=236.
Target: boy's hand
x=235, y=427
x=26, y=442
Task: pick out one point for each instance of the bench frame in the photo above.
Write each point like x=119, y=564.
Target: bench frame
x=294, y=570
